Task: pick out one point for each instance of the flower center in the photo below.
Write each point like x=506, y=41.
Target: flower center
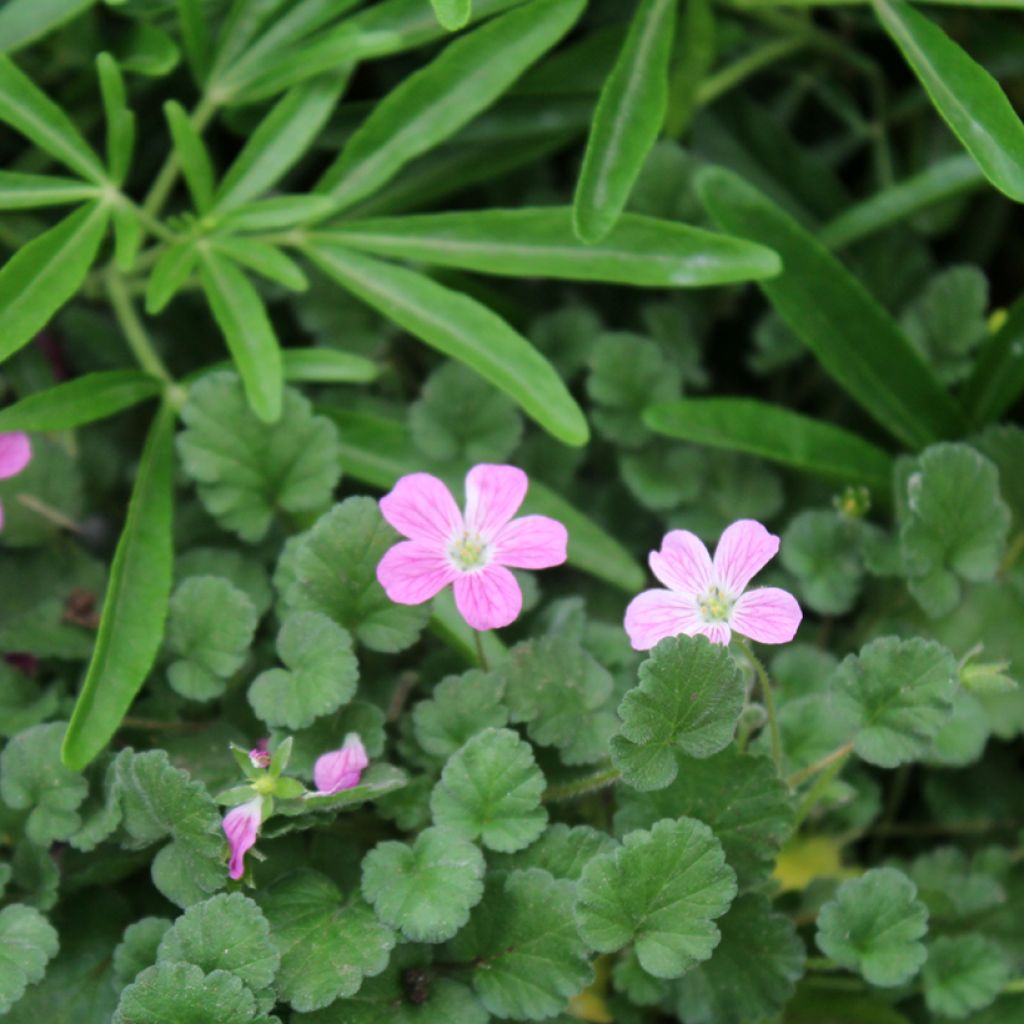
x=469, y=551
x=715, y=605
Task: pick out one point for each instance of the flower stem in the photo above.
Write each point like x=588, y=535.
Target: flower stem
x=481, y=655
x=814, y=794
x=580, y=787
x=769, y=703
x=820, y=765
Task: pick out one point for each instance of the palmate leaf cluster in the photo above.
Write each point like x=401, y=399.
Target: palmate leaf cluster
x=684, y=262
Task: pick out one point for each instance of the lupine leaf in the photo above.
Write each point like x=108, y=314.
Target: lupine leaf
x=120, y=120
x=196, y=165
x=27, y=943
x=22, y=21
x=453, y=14
x=662, y=890
x=19, y=191
x=874, y=925
x=169, y=274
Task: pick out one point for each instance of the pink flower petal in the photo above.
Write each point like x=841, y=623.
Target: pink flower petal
x=241, y=825
x=656, y=614
x=531, y=542
x=1, y=515
x=493, y=497
x=683, y=563
x=768, y=615
x=716, y=632
x=744, y=550
x=421, y=507
x=412, y=572
x=489, y=598
x=341, y=769
x=15, y=453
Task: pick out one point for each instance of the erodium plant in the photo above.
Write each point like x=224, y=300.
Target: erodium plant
x=355, y=355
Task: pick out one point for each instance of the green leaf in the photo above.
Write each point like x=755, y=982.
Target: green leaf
x=247, y=469
x=693, y=59
x=276, y=212
x=739, y=796
x=210, y=627
x=20, y=191
x=169, y=274
x=196, y=166
x=377, y=781
x=135, y=605
x=459, y=707
x=24, y=704
x=52, y=477
x=953, y=523
x=753, y=971
x=267, y=260
x=31, y=112
x=527, y=958
x=963, y=974
x=539, y=242
x=462, y=329
x=22, y=21
x=327, y=946
x=453, y=14
x=901, y=692
x=120, y=120
x=242, y=317
x=874, y=925
x=224, y=933
x=689, y=698
x=966, y=96
x=327, y=366
x=33, y=779
x=823, y=550
x=428, y=889
x=360, y=717
x=182, y=994
x=490, y=789
x=321, y=676
x=245, y=573
x=775, y=433
x=556, y=687
x=662, y=890
x=42, y=275
x=195, y=37
x=148, y=50
x=278, y=142
x=561, y=851
x=436, y=101
x=137, y=949
x=333, y=570
x=627, y=121
x=851, y=335
x=27, y=943
x=161, y=802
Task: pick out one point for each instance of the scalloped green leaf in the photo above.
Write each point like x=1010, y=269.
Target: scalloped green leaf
x=27, y=943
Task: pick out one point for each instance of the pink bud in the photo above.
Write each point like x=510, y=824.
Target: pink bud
x=241, y=825
x=259, y=755
x=340, y=769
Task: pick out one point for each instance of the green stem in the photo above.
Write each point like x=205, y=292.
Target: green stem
x=820, y=765
x=814, y=794
x=481, y=654
x=133, y=328
x=821, y=963
x=757, y=60
x=769, y=703
x=580, y=787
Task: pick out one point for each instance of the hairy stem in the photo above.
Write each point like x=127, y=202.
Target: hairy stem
x=580, y=787
x=769, y=703
x=820, y=765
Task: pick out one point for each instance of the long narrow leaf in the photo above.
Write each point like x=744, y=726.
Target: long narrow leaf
x=693, y=60
x=377, y=451
x=135, y=605
x=967, y=97
x=195, y=37
x=998, y=378
x=453, y=14
x=433, y=103
x=41, y=276
x=853, y=337
x=22, y=21
x=242, y=318
x=120, y=120
x=30, y=111
x=83, y=400
x=775, y=433
x=540, y=242
x=195, y=161
x=30, y=191
x=462, y=329
x=628, y=119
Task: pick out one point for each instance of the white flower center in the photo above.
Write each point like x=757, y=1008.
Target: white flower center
x=715, y=605
x=469, y=551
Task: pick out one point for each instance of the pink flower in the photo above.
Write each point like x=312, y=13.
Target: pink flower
x=470, y=550
x=241, y=825
x=709, y=597
x=259, y=755
x=15, y=455
x=341, y=769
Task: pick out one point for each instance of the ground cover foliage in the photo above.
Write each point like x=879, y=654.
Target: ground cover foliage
x=684, y=263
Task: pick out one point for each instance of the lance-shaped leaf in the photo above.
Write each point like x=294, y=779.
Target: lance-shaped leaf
x=196, y=165
x=689, y=698
x=321, y=676
x=120, y=120
x=169, y=274
x=27, y=943
x=998, y=377
x=852, y=336
x=88, y=398
x=42, y=275
x=539, y=242
x=874, y=925
x=490, y=789
x=428, y=889
x=28, y=110
x=662, y=890
x=434, y=102
x=135, y=605
x=775, y=433
x=461, y=328
x=627, y=121
x=20, y=191
x=967, y=97
x=901, y=692
x=327, y=945
x=242, y=317
x=521, y=941
x=182, y=994
x=453, y=14
x=22, y=21
x=963, y=974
